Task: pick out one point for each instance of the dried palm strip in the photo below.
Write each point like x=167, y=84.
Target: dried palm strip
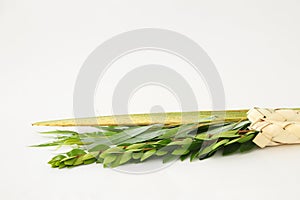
x=282, y=115
x=276, y=126
x=174, y=118
x=274, y=133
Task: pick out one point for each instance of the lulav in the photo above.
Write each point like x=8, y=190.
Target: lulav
x=199, y=136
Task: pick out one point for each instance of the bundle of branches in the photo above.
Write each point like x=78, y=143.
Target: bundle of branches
x=194, y=135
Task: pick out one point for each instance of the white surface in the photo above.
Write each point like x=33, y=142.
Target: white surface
x=254, y=44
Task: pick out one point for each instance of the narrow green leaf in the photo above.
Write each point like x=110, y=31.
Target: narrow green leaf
x=89, y=156
x=194, y=155
x=242, y=125
x=47, y=144
x=181, y=151
x=227, y=127
x=230, y=149
x=163, y=142
x=76, y=152
x=232, y=141
x=219, y=144
x=125, y=157
x=116, y=162
x=169, y=133
x=161, y=152
x=78, y=161
x=61, y=165
x=202, y=136
x=120, y=137
x=227, y=134
x=89, y=161
x=70, y=161
x=247, y=146
x=147, y=135
x=184, y=157
x=135, y=146
x=148, y=154
x=211, y=148
x=57, y=158
x=113, y=150
x=57, y=163
x=187, y=130
x=109, y=159
x=186, y=141
x=169, y=158
x=244, y=139
x=100, y=147
x=137, y=155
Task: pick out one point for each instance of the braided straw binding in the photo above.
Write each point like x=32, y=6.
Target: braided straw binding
x=276, y=126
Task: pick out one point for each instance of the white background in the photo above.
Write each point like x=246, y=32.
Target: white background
x=254, y=44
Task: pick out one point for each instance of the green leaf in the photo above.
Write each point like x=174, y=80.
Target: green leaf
x=161, y=152
x=99, y=160
x=57, y=158
x=61, y=165
x=100, y=147
x=112, y=128
x=219, y=144
x=135, y=146
x=244, y=139
x=169, y=133
x=187, y=130
x=125, y=157
x=206, y=150
x=57, y=163
x=72, y=141
x=109, y=159
x=163, y=142
x=195, y=146
x=212, y=148
x=147, y=135
x=169, y=158
x=116, y=162
x=88, y=156
x=186, y=141
x=230, y=149
x=137, y=155
x=70, y=161
x=89, y=161
x=242, y=125
x=120, y=137
x=47, y=144
x=113, y=150
x=247, y=146
x=210, y=154
x=184, y=157
x=148, y=154
x=76, y=152
x=214, y=131
x=232, y=141
x=181, y=151
x=109, y=133
x=227, y=134
x=79, y=161
x=202, y=136
x=194, y=155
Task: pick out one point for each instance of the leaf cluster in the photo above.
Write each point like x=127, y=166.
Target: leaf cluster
x=114, y=145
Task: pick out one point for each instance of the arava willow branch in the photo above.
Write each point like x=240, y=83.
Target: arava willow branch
x=135, y=138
